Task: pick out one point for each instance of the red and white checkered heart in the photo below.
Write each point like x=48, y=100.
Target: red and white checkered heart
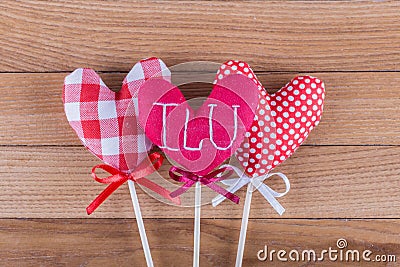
x=100, y=116
x=283, y=120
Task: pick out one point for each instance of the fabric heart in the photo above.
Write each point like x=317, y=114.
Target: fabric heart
x=296, y=109
x=98, y=114
x=257, y=150
x=201, y=140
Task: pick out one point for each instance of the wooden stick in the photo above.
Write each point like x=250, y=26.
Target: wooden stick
x=243, y=228
x=139, y=220
x=197, y=207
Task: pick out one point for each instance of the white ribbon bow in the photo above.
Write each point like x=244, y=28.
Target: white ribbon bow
x=258, y=182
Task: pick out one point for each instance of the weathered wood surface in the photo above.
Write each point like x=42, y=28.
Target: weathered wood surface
x=344, y=181
x=270, y=35
x=80, y=242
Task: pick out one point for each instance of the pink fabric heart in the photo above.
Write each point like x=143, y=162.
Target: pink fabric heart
x=98, y=114
x=296, y=109
x=190, y=138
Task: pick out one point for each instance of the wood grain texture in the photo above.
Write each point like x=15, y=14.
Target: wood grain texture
x=41, y=36
x=360, y=108
x=344, y=181
x=116, y=242
x=326, y=182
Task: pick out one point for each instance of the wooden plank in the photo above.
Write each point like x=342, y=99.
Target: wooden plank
x=38, y=36
x=116, y=242
x=326, y=182
x=361, y=108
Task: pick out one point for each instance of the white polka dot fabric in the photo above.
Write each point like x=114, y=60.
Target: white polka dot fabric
x=297, y=109
x=283, y=120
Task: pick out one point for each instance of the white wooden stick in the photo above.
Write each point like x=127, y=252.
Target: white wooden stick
x=139, y=220
x=243, y=228
x=197, y=207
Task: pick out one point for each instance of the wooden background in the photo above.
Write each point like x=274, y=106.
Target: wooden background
x=345, y=179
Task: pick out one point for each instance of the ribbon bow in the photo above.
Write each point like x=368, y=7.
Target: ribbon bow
x=258, y=182
x=118, y=178
x=189, y=179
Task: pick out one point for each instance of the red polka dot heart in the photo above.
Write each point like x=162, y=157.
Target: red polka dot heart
x=283, y=120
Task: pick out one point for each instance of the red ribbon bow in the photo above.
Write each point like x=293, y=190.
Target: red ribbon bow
x=209, y=180
x=118, y=178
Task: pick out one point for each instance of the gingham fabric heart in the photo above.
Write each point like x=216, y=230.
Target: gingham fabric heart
x=97, y=114
x=296, y=109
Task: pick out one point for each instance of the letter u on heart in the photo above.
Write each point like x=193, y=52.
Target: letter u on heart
x=210, y=123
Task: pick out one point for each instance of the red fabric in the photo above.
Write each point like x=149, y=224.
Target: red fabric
x=296, y=109
x=97, y=114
